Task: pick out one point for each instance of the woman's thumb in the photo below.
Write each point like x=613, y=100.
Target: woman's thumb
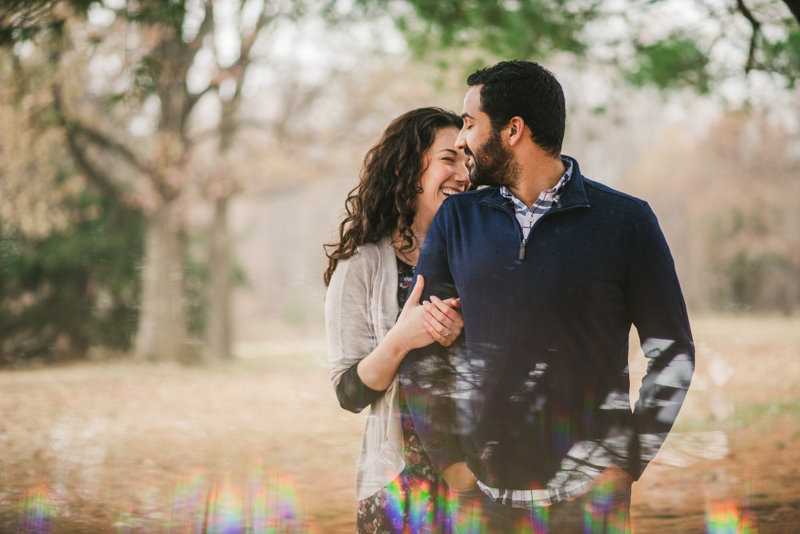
x=416, y=293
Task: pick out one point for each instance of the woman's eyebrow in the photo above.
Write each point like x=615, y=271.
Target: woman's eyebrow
x=449, y=150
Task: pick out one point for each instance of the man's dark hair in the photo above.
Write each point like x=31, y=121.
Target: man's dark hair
x=526, y=90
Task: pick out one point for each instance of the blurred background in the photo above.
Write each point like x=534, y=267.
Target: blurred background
x=169, y=172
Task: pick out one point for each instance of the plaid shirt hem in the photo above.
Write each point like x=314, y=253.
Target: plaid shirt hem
x=533, y=498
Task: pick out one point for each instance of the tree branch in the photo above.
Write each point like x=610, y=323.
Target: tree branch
x=751, y=59
x=206, y=27
x=188, y=105
x=99, y=179
x=203, y=136
x=794, y=7
x=74, y=129
x=101, y=140
x=263, y=20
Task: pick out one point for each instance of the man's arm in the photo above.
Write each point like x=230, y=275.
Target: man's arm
x=658, y=311
x=426, y=374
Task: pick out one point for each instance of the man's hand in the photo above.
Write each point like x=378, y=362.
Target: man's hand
x=443, y=319
x=459, y=477
x=613, y=479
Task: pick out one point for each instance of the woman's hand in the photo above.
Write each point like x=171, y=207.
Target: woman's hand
x=443, y=319
x=411, y=330
x=416, y=327
x=419, y=325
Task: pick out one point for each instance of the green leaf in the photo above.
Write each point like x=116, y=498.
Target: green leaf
x=673, y=63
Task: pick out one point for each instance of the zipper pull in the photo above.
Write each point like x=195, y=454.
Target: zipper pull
x=522, y=249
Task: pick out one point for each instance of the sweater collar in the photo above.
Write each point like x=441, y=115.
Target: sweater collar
x=573, y=194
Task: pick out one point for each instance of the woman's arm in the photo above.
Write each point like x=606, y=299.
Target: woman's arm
x=362, y=383
x=358, y=382
x=411, y=331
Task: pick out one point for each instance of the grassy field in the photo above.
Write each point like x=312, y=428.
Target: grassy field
x=117, y=446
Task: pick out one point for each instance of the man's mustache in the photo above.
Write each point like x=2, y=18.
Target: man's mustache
x=467, y=151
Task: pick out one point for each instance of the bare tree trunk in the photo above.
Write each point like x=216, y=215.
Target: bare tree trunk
x=219, y=324
x=162, y=331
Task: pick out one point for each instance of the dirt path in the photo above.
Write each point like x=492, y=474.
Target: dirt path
x=124, y=447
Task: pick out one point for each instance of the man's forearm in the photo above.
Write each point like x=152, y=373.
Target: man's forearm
x=458, y=476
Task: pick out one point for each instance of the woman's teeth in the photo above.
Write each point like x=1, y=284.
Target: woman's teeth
x=450, y=192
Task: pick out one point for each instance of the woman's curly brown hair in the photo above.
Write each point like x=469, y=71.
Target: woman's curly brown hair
x=386, y=195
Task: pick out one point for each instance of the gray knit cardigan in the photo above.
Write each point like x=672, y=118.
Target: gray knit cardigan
x=360, y=308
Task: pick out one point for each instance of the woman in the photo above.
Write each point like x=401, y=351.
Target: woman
x=405, y=178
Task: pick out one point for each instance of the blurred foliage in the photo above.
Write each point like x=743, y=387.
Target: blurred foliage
x=493, y=30
x=67, y=291
x=487, y=29
x=728, y=207
x=70, y=255
x=748, y=276
x=783, y=56
x=24, y=20
x=673, y=63
x=503, y=29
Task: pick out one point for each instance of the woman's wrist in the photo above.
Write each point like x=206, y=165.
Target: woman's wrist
x=378, y=369
x=397, y=348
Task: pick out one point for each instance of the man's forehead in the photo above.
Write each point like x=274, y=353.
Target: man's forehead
x=472, y=100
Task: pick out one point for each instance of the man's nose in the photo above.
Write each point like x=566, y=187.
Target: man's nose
x=461, y=140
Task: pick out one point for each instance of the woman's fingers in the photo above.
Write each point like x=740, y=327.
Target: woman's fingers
x=434, y=312
x=453, y=303
x=443, y=340
x=446, y=309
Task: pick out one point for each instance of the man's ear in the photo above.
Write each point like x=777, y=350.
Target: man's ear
x=515, y=129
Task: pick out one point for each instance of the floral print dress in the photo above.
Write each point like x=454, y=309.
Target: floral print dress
x=415, y=501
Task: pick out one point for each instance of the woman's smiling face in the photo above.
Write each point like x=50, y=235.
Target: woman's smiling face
x=445, y=174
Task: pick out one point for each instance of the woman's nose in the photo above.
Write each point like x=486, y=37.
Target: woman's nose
x=461, y=175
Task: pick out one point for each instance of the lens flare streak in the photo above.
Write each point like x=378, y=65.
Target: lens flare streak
x=263, y=504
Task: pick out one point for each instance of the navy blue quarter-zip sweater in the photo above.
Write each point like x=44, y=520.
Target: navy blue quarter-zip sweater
x=541, y=376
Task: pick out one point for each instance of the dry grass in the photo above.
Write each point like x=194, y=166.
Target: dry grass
x=109, y=440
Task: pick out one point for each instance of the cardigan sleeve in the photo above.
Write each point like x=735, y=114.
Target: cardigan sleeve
x=353, y=394
x=350, y=333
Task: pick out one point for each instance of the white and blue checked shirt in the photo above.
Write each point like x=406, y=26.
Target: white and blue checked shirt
x=527, y=217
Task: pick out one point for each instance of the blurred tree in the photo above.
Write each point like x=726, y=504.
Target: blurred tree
x=124, y=87
x=69, y=256
x=670, y=44
x=728, y=203
x=223, y=184
x=123, y=92
x=65, y=291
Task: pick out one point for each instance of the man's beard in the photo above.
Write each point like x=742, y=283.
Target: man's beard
x=492, y=163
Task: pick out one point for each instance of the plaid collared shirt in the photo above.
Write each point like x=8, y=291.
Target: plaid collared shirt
x=527, y=217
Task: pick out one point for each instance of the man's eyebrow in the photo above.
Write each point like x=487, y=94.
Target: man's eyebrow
x=466, y=115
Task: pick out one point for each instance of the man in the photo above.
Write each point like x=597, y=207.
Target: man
x=530, y=424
